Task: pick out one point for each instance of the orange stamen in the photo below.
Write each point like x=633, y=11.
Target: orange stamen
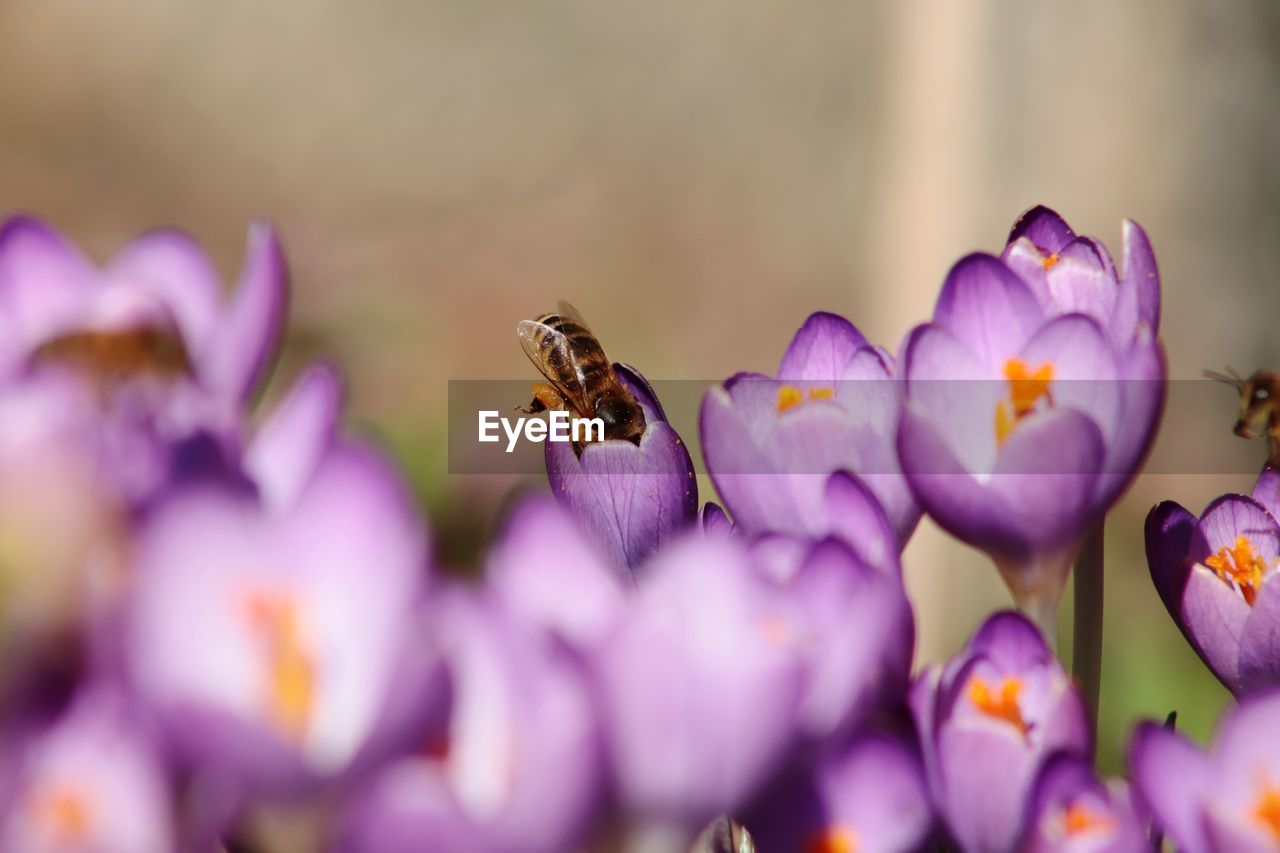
x=775, y=630
x=66, y=815
x=1049, y=260
x=1240, y=565
x=1026, y=389
x=790, y=396
x=1002, y=705
x=821, y=393
x=1079, y=820
x=833, y=839
x=292, y=672
x=1267, y=810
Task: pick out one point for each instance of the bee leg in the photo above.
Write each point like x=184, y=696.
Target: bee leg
x=545, y=397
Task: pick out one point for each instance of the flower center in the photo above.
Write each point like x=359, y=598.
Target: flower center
x=1079, y=819
x=790, y=396
x=1001, y=704
x=291, y=670
x=833, y=839
x=1027, y=388
x=1267, y=810
x=1240, y=565
x=1049, y=261
x=66, y=816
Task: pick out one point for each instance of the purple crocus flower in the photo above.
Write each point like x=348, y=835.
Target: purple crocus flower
x=161, y=284
x=1217, y=576
x=1071, y=809
x=988, y=720
x=771, y=443
x=629, y=498
x=868, y=795
x=1026, y=414
x=700, y=686
x=520, y=765
x=1226, y=800
x=92, y=780
x=278, y=646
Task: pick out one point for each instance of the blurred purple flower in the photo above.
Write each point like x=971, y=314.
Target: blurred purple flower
x=162, y=284
x=1225, y=801
x=988, y=720
x=700, y=685
x=770, y=444
x=279, y=646
x=1026, y=417
x=1217, y=576
x=868, y=795
x=1071, y=809
x=520, y=766
x=629, y=498
x=90, y=781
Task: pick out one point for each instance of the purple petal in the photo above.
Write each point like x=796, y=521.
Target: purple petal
x=713, y=521
x=1232, y=516
x=1043, y=227
x=235, y=359
x=1170, y=532
x=1215, y=615
x=1267, y=490
x=1084, y=369
x=821, y=349
x=286, y=450
x=986, y=306
x=1067, y=781
x=1011, y=642
x=172, y=267
x=1260, y=640
x=986, y=775
x=46, y=284
x=855, y=515
x=1171, y=775
x=1141, y=273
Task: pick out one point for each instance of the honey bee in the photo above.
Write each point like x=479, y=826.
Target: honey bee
x=579, y=375
x=1259, y=413
x=110, y=357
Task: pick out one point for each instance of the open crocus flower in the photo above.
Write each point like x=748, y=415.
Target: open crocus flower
x=1075, y=274
x=988, y=720
x=278, y=647
x=770, y=444
x=156, y=308
x=868, y=795
x=1225, y=801
x=92, y=780
x=1218, y=577
x=629, y=498
x=1022, y=425
x=700, y=686
x=1071, y=809
x=520, y=765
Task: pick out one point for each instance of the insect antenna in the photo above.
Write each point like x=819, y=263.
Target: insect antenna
x=1235, y=380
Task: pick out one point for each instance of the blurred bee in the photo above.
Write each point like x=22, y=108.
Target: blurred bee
x=110, y=357
x=1259, y=406
x=579, y=375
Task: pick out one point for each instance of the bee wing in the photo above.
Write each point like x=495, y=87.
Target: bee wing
x=567, y=312
x=547, y=347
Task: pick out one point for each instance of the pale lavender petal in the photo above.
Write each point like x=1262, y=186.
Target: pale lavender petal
x=172, y=267
x=821, y=349
x=1215, y=615
x=1267, y=490
x=46, y=284
x=1141, y=273
x=285, y=451
x=986, y=306
x=1171, y=776
x=1260, y=640
x=1043, y=227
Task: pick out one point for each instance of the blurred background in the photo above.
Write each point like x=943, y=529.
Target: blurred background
x=697, y=177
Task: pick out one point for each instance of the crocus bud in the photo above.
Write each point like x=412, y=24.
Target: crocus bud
x=1217, y=577
x=1072, y=809
x=629, y=498
x=987, y=721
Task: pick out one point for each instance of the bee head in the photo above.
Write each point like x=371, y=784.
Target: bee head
x=1259, y=403
x=623, y=418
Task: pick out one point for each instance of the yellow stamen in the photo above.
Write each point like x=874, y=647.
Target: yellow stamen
x=1002, y=705
x=790, y=396
x=1078, y=819
x=1048, y=261
x=66, y=816
x=1240, y=565
x=1026, y=389
x=1267, y=810
x=833, y=839
x=292, y=672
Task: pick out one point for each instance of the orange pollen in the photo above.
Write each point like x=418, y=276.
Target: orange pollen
x=291, y=695
x=789, y=396
x=1002, y=704
x=775, y=630
x=1267, y=810
x=1049, y=260
x=833, y=839
x=66, y=814
x=1079, y=820
x=1240, y=565
x=1026, y=389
